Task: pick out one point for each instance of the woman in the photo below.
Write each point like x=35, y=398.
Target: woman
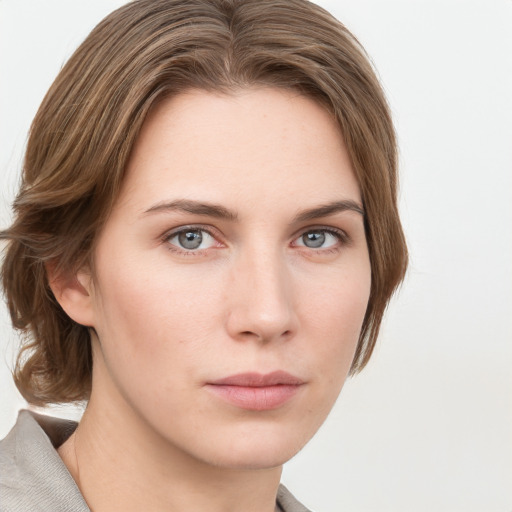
x=204, y=243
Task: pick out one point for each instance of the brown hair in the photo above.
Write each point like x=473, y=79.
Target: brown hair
x=82, y=135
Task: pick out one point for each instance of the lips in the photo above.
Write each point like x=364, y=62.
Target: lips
x=255, y=391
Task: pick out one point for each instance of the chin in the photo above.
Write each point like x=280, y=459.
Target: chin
x=257, y=449
x=261, y=457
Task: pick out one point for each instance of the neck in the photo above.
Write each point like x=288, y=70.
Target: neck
x=120, y=463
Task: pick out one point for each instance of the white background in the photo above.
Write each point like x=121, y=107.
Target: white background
x=428, y=425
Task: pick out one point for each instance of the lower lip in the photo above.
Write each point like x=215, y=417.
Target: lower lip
x=261, y=398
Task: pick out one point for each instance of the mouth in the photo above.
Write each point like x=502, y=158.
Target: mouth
x=255, y=391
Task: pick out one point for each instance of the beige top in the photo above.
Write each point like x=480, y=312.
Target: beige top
x=34, y=478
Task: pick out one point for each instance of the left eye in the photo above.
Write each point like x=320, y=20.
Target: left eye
x=191, y=239
x=318, y=239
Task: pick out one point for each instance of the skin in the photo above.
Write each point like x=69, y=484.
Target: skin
x=253, y=297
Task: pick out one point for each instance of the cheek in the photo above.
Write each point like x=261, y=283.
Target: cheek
x=150, y=333
x=340, y=305
x=143, y=288
x=336, y=315
x=152, y=312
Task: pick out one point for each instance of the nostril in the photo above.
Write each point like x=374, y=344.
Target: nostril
x=263, y=336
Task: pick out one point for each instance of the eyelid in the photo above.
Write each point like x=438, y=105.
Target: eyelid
x=171, y=233
x=339, y=233
x=208, y=228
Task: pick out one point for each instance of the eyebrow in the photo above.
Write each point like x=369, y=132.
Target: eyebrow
x=221, y=212
x=328, y=209
x=194, y=207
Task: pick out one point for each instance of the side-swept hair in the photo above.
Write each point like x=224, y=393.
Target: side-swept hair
x=81, y=138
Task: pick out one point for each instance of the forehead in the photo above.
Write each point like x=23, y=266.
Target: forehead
x=254, y=142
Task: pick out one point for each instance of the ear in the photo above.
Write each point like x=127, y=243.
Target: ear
x=74, y=293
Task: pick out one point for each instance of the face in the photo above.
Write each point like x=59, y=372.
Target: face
x=232, y=278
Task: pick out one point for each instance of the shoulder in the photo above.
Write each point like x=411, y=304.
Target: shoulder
x=32, y=475
x=287, y=502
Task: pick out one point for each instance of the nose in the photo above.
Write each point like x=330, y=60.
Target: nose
x=261, y=301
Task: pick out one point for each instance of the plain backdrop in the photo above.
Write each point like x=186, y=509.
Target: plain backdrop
x=428, y=425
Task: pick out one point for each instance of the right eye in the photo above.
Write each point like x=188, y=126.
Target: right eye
x=190, y=239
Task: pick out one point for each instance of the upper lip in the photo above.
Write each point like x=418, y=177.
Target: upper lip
x=254, y=379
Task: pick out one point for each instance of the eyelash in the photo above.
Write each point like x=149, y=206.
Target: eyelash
x=339, y=234
x=183, y=229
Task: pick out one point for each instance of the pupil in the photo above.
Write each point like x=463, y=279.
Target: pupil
x=190, y=239
x=314, y=239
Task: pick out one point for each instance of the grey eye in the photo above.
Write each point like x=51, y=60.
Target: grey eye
x=319, y=239
x=314, y=239
x=191, y=239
